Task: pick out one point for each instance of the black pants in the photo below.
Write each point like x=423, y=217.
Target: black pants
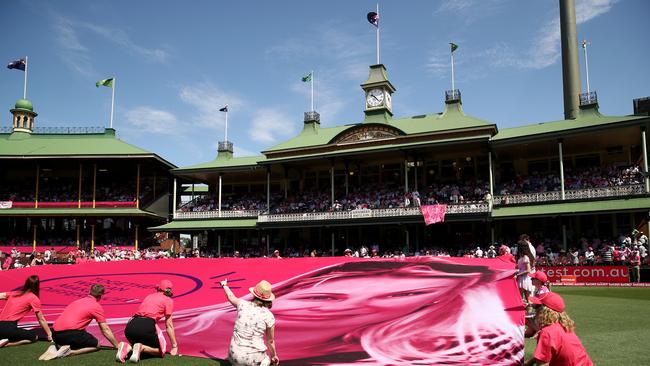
x=76, y=339
x=10, y=331
x=142, y=330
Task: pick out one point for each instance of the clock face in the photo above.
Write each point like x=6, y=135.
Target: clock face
x=389, y=102
x=375, y=97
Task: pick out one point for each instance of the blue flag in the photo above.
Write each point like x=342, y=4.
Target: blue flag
x=17, y=64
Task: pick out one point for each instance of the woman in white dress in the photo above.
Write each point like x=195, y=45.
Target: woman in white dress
x=525, y=265
x=254, y=322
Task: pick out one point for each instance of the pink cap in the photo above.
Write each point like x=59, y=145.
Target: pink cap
x=551, y=300
x=539, y=275
x=165, y=284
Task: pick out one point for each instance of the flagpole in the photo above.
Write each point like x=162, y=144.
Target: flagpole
x=452, y=72
x=378, y=34
x=226, y=122
x=25, y=84
x=312, y=90
x=113, y=101
x=584, y=47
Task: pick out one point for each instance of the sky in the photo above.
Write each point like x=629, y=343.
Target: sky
x=177, y=63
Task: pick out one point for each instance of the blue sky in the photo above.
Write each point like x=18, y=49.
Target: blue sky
x=177, y=63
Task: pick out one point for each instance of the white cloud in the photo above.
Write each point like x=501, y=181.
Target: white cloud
x=121, y=38
x=152, y=120
x=469, y=11
x=240, y=151
x=269, y=125
x=207, y=99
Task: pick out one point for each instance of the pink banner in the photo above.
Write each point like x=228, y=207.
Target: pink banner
x=329, y=311
x=433, y=213
x=74, y=204
x=587, y=274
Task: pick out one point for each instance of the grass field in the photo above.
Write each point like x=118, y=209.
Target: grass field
x=613, y=324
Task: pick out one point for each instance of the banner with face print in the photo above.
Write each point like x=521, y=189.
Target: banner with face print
x=328, y=311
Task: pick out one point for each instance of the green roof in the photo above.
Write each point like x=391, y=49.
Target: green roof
x=75, y=212
x=586, y=119
x=23, y=144
x=452, y=118
x=571, y=208
x=221, y=163
x=190, y=225
x=24, y=104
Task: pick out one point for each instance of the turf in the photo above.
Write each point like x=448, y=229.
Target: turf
x=613, y=324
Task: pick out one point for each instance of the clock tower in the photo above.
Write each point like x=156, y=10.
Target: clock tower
x=378, y=95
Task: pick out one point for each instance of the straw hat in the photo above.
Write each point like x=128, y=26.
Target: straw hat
x=262, y=291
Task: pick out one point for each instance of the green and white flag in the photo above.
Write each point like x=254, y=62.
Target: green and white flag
x=105, y=82
x=454, y=46
x=307, y=78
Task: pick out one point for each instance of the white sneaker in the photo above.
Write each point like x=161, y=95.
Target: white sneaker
x=123, y=350
x=135, y=355
x=62, y=352
x=49, y=354
x=3, y=342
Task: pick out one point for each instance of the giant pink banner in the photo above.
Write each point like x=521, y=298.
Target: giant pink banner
x=329, y=311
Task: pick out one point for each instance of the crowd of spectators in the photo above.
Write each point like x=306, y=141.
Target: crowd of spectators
x=580, y=178
x=113, y=192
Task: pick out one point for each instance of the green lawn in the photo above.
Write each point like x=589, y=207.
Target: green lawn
x=613, y=324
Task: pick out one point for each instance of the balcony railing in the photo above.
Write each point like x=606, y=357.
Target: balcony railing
x=574, y=194
x=215, y=214
x=370, y=214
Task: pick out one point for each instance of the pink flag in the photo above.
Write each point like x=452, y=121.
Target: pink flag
x=433, y=213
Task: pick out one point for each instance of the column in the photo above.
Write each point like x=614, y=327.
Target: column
x=268, y=244
x=79, y=190
x=92, y=237
x=347, y=173
x=78, y=234
x=333, y=240
x=94, y=183
x=268, y=190
x=559, y=146
x=174, y=200
x=136, y=227
x=406, y=176
x=564, y=244
x=34, y=238
x=38, y=178
x=219, y=200
x=492, y=234
x=490, y=173
x=332, y=184
x=219, y=246
x=407, y=241
x=415, y=176
x=137, y=187
x=645, y=161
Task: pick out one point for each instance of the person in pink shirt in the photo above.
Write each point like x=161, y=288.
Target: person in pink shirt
x=557, y=343
x=70, y=336
x=142, y=331
x=19, y=304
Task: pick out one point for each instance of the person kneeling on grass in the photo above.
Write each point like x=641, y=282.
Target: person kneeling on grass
x=70, y=336
x=142, y=331
x=19, y=303
x=557, y=343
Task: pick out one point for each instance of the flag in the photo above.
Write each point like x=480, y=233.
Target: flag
x=433, y=213
x=454, y=47
x=17, y=64
x=224, y=109
x=307, y=78
x=373, y=18
x=105, y=82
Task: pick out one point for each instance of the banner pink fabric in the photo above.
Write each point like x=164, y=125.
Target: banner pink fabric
x=433, y=213
x=329, y=311
x=73, y=204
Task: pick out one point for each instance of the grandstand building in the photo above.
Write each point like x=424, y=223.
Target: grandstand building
x=362, y=184
x=77, y=187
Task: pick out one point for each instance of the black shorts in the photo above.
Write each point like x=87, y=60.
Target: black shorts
x=142, y=330
x=10, y=331
x=76, y=339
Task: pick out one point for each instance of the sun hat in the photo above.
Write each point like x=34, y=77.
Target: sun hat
x=539, y=275
x=165, y=284
x=551, y=300
x=262, y=291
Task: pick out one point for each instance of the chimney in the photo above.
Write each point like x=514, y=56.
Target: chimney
x=570, y=66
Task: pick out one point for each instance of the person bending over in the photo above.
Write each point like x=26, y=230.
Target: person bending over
x=70, y=336
x=19, y=304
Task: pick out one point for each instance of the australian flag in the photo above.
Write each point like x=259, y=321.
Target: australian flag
x=224, y=109
x=373, y=18
x=17, y=64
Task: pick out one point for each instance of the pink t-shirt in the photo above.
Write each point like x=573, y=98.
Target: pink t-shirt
x=560, y=348
x=79, y=314
x=156, y=306
x=18, y=306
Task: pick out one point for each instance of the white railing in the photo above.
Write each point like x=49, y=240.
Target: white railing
x=215, y=214
x=574, y=194
x=370, y=214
